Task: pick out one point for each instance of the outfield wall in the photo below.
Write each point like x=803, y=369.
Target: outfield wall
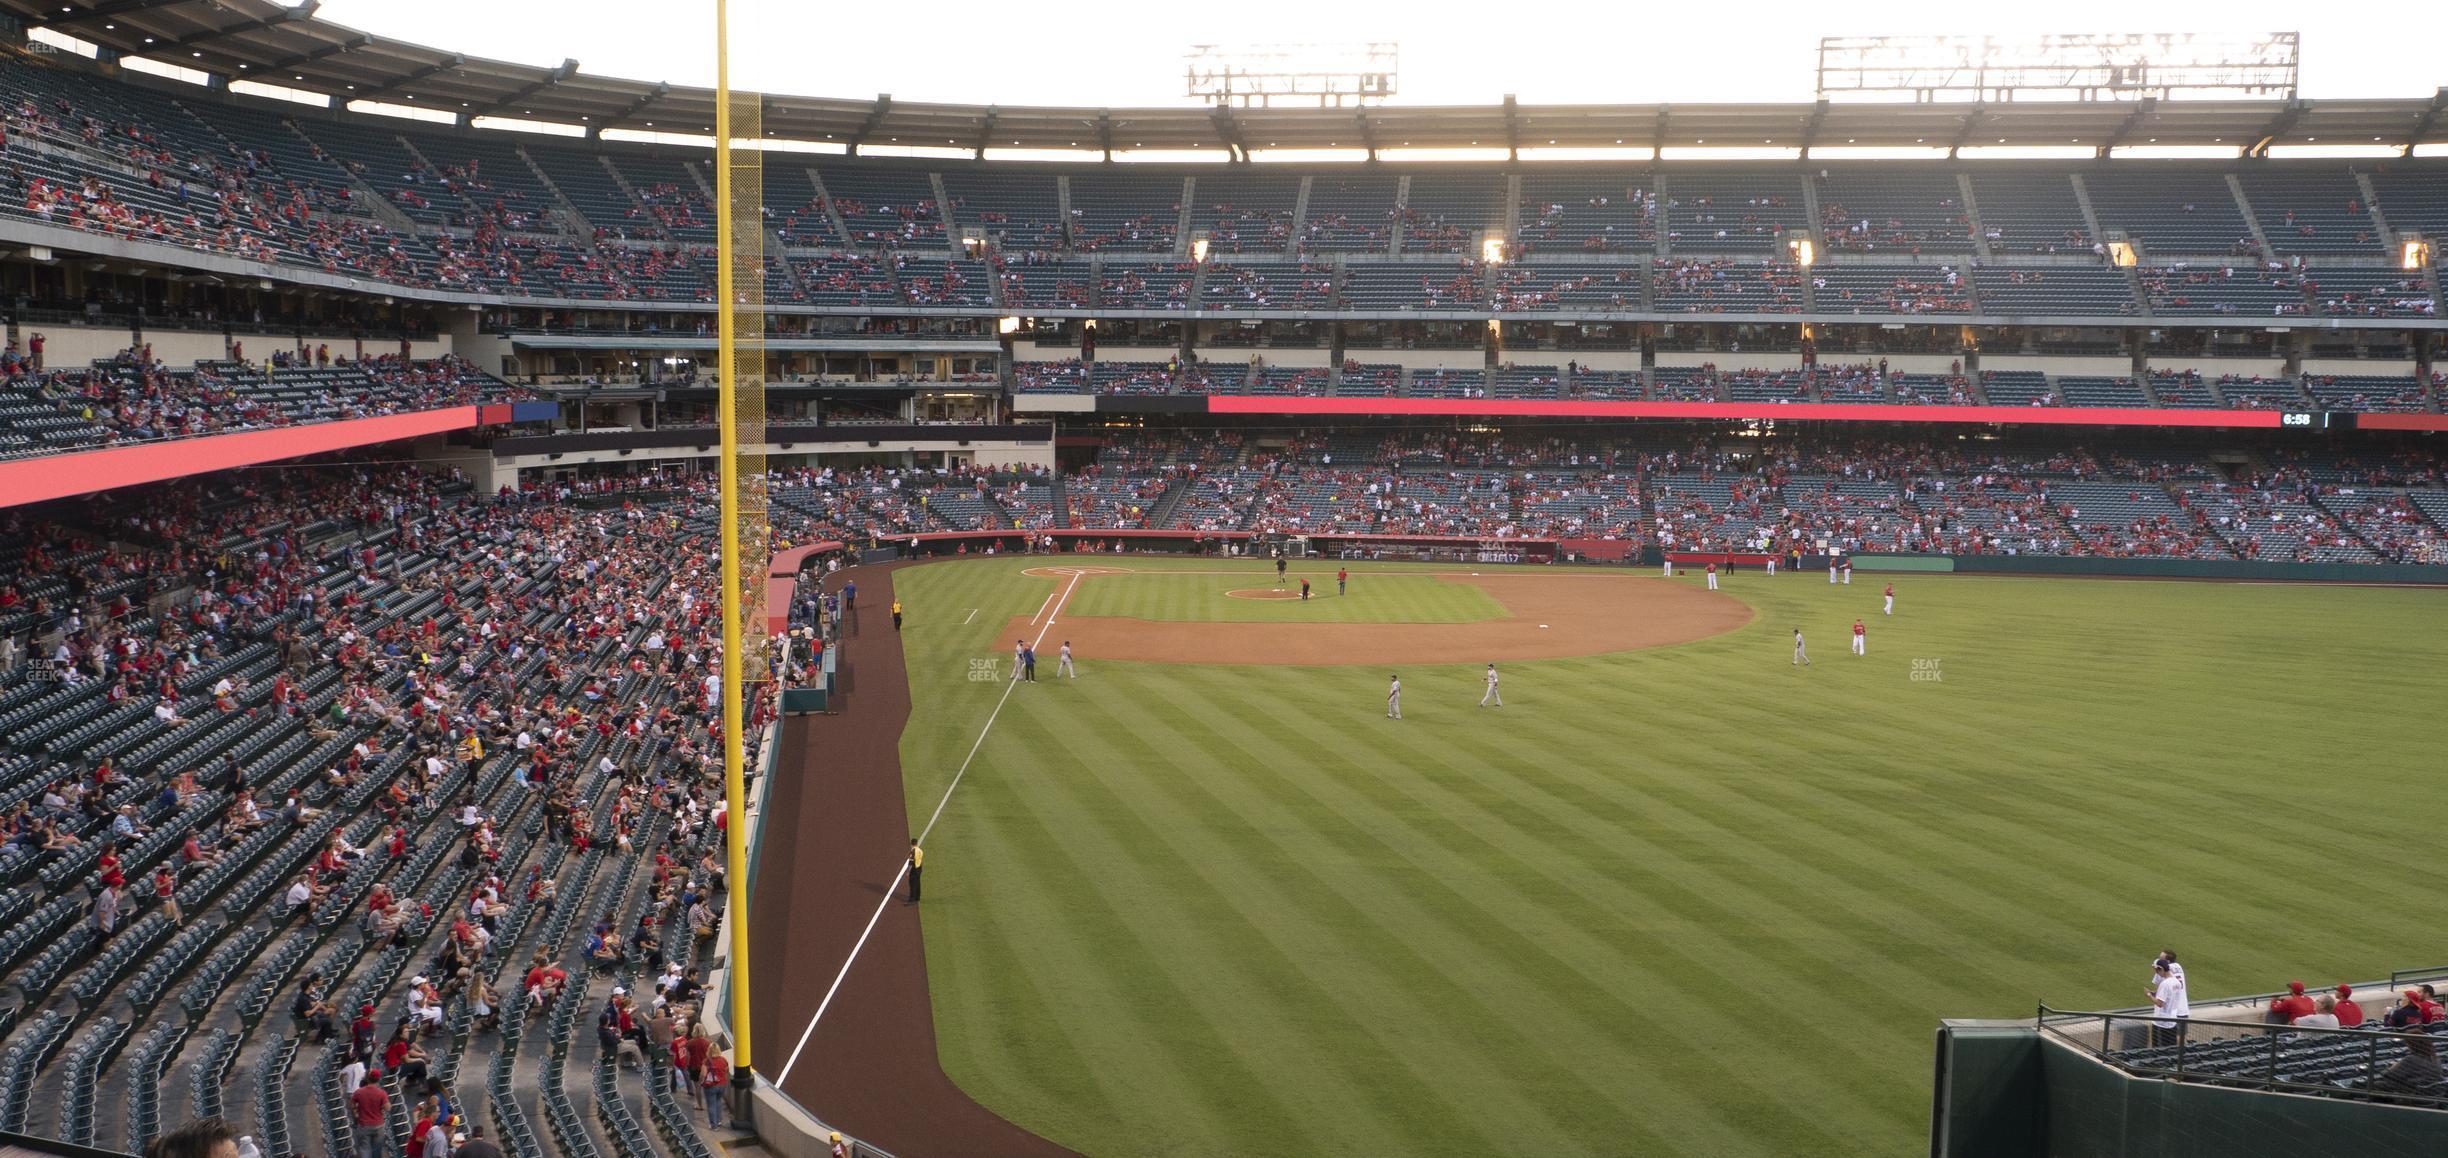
x=2002, y=1091
x=2224, y=569
x=1537, y=550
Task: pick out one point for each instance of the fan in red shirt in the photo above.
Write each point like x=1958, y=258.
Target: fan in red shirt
x=2349, y=1014
x=2285, y=1010
x=371, y=1103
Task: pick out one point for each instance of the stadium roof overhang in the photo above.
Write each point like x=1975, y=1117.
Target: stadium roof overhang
x=283, y=44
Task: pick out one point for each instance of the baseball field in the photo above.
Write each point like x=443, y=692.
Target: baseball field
x=1678, y=895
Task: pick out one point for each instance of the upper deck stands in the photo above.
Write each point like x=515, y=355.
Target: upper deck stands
x=1568, y=211
x=1723, y=212
x=491, y=178
x=672, y=196
x=217, y=174
x=1022, y=208
x=2030, y=213
x=795, y=211
x=2054, y=290
x=1727, y=286
x=1349, y=213
x=2176, y=212
x=1448, y=213
x=1890, y=289
x=2414, y=199
x=1410, y=286
x=1244, y=213
x=1899, y=212
x=2310, y=210
x=1143, y=285
x=1057, y=284
x=885, y=208
x=2369, y=293
x=2239, y=290
x=1269, y=285
x=1124, y=213
x=593, y=191
x=1533, y=288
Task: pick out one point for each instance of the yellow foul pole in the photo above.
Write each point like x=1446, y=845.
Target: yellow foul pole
x=735, y=732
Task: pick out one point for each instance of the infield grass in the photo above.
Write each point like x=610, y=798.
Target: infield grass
x=1688, y=900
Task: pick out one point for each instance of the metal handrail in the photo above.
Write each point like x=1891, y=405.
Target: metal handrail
x=2190, y=1033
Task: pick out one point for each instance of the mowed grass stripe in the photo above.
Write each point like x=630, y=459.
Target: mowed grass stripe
x=981, y=936
x=2084, y=848
x=1256, y=999
x=1585, y=864
x=1277, y=932
x=1609, y=812
x=1738, y=794
x=2101, y=697
x=1479, y=891
x=1421, y=979
x=1173, y=1052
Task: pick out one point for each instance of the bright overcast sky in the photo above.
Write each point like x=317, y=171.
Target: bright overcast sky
x=1104, y=52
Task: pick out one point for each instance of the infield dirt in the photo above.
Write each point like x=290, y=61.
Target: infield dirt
x=1549, y=615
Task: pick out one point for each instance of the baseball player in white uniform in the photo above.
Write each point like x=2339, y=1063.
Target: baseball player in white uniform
x=1859, y=638
x=1062, y=667
x=1801, y=658
x=1019, y=649
x=1491, y=693
x=1394, y=700
x=1831, y=570
x=1891, y=599
x=1712, y=576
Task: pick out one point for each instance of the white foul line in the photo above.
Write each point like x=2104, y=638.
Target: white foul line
x=972, y=615
x=1056, y=605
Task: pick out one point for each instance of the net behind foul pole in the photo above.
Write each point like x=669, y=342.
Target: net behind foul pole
x=744, y=234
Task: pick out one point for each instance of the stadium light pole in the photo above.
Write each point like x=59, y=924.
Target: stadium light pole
x=735, y=739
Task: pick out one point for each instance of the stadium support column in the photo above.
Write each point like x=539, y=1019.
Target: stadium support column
x=739, y=194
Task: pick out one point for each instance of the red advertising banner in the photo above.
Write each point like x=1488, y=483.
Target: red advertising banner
x=1753, y=411
x=59, y=476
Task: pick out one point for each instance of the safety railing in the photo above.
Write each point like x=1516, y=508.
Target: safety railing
x=2365, y=1063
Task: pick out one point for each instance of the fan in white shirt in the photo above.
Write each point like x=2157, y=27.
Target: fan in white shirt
x=2168, y=997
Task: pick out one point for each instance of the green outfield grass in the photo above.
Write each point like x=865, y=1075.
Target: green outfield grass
x=1689, y=900
x=1202, y=594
